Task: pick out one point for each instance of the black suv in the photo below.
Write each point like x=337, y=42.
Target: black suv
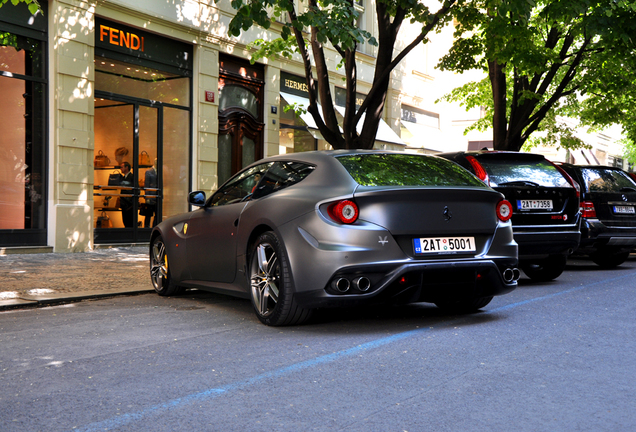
x=608, y=208
x=545, y=200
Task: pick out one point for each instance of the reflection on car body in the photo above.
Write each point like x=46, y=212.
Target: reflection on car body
x=343, y=228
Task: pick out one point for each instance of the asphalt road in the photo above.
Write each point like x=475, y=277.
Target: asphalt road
x=548, y=357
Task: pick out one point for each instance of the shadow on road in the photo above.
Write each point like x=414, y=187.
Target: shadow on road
x=359, y=320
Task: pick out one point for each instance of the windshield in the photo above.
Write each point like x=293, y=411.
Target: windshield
x=406, y=170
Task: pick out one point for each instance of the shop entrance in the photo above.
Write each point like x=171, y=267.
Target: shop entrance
x=127, y=192
x=143, y=119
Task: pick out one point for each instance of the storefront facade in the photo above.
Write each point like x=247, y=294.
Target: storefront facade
x=115, y=110
x=97, y=137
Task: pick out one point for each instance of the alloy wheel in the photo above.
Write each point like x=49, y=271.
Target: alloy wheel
x=265, y=279
x=158, y=264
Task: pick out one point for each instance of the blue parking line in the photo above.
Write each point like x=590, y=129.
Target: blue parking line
x=209, y=394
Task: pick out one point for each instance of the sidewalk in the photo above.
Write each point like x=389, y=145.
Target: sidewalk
x=49, y=278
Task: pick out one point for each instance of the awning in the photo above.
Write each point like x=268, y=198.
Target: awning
x=304, y=102
x=384, y=134
x=425, y=137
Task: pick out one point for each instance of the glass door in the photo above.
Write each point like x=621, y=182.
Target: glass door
x=127, y=192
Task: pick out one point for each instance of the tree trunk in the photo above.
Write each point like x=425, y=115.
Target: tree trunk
x=497, y=75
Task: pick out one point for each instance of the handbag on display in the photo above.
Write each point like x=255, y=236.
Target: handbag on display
x=104, y=221
x=120, y=153
x=144, y=158
x=114, y=179
x=101, y=160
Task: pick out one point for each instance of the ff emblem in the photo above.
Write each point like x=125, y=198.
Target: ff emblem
x=447, y=214
x=383, y=241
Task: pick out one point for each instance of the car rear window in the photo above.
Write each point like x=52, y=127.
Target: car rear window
x=606, y=180
x=406, y=170
x=540, y=172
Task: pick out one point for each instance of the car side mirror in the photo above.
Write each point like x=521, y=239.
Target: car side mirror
x=196, y=198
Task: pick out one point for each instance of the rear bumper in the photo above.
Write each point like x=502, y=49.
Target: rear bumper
x=544, y=243
x=595, y=235
x=411, y=282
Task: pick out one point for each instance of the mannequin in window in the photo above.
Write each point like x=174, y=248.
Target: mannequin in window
x=151, y=203
x=126, y=203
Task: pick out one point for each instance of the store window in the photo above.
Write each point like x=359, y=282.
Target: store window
x=293, y=132
x=23, y=90
x=298, y=131
x=142, y=125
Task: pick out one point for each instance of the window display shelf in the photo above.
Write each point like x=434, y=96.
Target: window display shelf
x=116, y=167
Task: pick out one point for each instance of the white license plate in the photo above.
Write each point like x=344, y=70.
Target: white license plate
x=444, y=244
x=624, y=210
x=534, y=204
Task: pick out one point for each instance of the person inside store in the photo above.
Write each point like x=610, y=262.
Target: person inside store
x=126, y=202
x=150, y=209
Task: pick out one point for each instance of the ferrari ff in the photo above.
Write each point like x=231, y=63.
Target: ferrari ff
x=304, y=231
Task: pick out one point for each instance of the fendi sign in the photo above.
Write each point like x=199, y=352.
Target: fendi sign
x=119, y=38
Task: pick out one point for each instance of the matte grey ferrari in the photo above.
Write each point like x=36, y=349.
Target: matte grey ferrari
x=303, y=231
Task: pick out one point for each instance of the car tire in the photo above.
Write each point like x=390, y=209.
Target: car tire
x=545, y=270
x=608, y=259
x=160, y=271
x=463, y=306
x=271, y=286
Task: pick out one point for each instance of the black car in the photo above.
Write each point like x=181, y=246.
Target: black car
x=608, y=208
x=545, y=218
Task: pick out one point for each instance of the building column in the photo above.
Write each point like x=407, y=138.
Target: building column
x=206, y=153
x=71, y=127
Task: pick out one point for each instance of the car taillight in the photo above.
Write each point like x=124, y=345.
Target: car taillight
x=569, y=178
x=588, y=210
x=504, y=210
x=345, y=211
x=480, y=172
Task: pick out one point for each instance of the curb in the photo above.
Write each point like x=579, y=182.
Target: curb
x=54, y=299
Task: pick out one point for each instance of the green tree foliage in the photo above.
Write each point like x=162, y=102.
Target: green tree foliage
x=333, y=23
x=545, y=59
x=33, y=5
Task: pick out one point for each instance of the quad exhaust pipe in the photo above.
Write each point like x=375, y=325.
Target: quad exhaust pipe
x=342, y=285
x=511, y=275
x=362, y=283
